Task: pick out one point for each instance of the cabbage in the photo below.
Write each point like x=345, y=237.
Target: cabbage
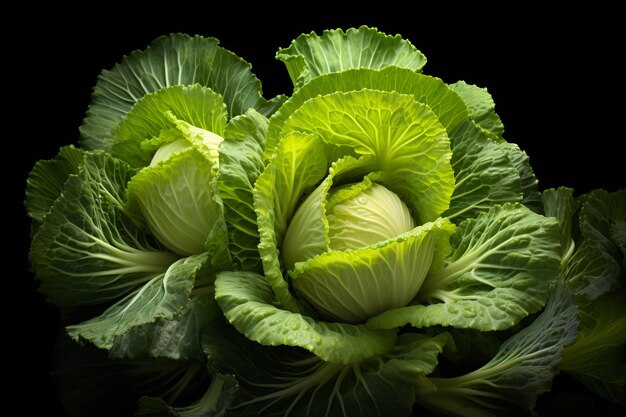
x=367, y=246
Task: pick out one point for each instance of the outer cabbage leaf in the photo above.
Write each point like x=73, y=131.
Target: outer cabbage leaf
x=594, y=268
x=522, y=369
x=406, y=139
x=598, y=358
x=471, y=348
x=247, y=302
x=88, y=251
x=312, y=55
x=484, y=175
x=501, y=269
x=530, y=189
x=559, y=203
x=170, y=60
x=251, y=124
x=481, y=107
x=447, y=105
x=275, y=381
x=213, y=403
x=46, y=181
x=241, y=163
x=179, y=338
x=163, y=297
x=618, y=234
x=88, y=379
x=595, y=273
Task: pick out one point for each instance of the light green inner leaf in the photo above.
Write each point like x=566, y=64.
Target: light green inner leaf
x=408, y=143
x=363, y=214
x=301, y=163
x=355, y=285
x=193, y=110
x=446, y=104
x=308, y=233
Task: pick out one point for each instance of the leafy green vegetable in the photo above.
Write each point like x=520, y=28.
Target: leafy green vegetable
x=276, y=380
x=501, y=269
x=46, y=181
x=220, y=254
x=311, y=55
x=246, y=300
x=522, y=369
x=213, y=403
x=354, y=285
x=481, y=107
x=177, y=59
x=164, y=296
x=598, y=356
x=404, y=138
x=88, y=251
x=484, y=174
x=594, y=270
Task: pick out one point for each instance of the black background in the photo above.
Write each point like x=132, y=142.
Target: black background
x=553, y=73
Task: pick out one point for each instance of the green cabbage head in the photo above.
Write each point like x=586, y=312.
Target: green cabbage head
x=388, y=198
x=314, y=255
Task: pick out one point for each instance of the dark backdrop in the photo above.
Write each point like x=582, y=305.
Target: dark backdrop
x=554, y=74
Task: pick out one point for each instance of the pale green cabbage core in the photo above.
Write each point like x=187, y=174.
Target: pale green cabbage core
x=175, y=193
x=167, y=150
x=357, y=252
x=366, y=217
x=356, y=216
x=304, y=238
